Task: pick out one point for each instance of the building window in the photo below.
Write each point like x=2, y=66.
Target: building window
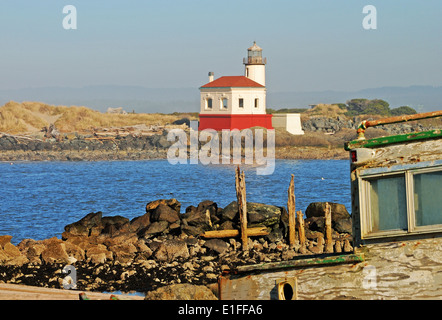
x=224, y=103
x=209, y=103
x=241, y=102
x=256, y=103
x=399, y=203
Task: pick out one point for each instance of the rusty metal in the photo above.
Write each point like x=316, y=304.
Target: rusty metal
x=404, y=118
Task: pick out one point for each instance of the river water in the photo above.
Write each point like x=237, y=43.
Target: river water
x=37, y=199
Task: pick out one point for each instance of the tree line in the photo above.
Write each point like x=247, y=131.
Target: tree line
x=356, y=107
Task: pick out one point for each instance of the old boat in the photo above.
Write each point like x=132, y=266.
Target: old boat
x=396, y=187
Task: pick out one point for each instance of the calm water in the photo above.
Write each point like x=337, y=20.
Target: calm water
x=39, y=198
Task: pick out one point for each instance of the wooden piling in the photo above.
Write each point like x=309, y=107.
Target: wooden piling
x=328, y=229
x=301, y=228
x=291, y=208
x=240, y=185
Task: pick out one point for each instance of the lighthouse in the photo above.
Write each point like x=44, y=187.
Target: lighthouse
x=255, y=65
x=236, y=102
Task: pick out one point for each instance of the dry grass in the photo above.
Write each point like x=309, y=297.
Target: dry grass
x=30, y=117
x=15, y=118
x=326, y=110
x=310, y=139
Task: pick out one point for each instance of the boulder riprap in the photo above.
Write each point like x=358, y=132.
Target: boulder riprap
x=341, y=219
x=181, y=292
x=163, y=247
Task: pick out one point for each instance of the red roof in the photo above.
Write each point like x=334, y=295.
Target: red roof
x=232, y=81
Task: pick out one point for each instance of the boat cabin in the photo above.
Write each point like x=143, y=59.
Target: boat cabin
x=396, y=187
x=396, y=184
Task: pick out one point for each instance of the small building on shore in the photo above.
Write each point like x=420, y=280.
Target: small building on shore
x=237, y=102
x=291, y=122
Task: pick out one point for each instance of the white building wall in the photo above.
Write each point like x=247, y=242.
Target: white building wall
x=233, y=95
x=256, y=72
x=288, y=121
x=216, y=94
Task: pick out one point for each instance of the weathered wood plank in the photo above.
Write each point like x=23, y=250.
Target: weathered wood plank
x=393, y=270
x=429, y=150
x=303, y=262
x=231, y=233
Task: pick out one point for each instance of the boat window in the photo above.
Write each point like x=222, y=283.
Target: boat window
x=427, y=194
x=401, y=203
x=388, y=204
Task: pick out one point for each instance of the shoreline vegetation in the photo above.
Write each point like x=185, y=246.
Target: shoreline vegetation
x=34, y=131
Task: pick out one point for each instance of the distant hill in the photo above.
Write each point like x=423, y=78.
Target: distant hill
x=168, y=100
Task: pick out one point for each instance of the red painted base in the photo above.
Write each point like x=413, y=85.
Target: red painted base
x=234, y=121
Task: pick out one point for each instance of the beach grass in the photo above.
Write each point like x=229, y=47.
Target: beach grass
x=30, y=117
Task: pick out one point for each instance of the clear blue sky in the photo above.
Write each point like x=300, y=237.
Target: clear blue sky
x=310, y=45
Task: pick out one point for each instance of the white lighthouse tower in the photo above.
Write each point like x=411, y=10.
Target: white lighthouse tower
x=255, y=68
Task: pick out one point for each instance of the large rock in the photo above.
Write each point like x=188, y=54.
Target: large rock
x=173, y=203
x=98, y=253
x=93, y=224
x=191, y=230
x=32, y=249
x=87, y=226
x=317, y=209
x=10, y=254
x=212, y=207
x=143, y=250
x=257, y=214
x=140, y=224
x=170, y=250
x=164, y=213
x=217, y=245
x=263, y=214
x=74, y=251
x=183, y=291
x=201, y=216
x=124, y=253
x=343, y=226
x=156, y=228
x=230, y=212
x=341, y=219
x=55, y=251
x=114, y=225
x=4, y=240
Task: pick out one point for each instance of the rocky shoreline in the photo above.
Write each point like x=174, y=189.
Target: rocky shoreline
x=84, y=148
x=119, y=148
x=164, y=247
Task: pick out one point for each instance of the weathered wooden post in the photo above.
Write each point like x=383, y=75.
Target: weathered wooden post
x=328, y=229
x=240, y=184
x=291, y=208
x=301, y=229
